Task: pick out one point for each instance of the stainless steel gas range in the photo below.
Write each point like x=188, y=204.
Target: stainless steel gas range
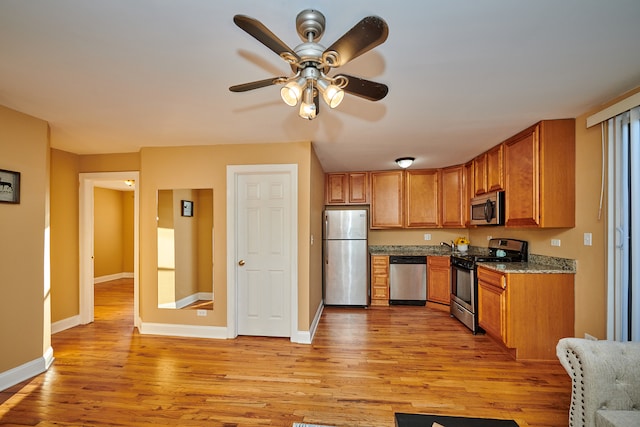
x=464, y=282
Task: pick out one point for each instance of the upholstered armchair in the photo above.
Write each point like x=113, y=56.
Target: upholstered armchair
x=605, y=378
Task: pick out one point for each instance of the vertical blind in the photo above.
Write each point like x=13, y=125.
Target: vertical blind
x=623, y=254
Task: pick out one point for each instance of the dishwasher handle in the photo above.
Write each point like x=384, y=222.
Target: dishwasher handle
x=407, y=259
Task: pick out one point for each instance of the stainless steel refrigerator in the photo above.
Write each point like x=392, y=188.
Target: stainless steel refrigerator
x=346, y=257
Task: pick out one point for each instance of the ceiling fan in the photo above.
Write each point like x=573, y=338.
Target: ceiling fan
x=311, y=62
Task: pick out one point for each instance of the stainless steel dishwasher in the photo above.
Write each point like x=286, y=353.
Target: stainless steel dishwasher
x=408, y=280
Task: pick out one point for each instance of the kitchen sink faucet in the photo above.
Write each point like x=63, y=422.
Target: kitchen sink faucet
x=447, y=244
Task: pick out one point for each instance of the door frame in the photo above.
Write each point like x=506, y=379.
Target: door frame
x=233, y=172
x=88, y=182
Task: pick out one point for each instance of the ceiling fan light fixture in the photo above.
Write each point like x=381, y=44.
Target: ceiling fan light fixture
x=331, y=93
x=308, y=107
x=405, y=162
x=291, y=93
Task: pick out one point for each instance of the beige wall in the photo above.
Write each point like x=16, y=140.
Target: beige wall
x=65, y=288
x=316, y=194
x=107, y=232
x=65, y=168
x=205, y=167
x=122, y=162
x=25, y=325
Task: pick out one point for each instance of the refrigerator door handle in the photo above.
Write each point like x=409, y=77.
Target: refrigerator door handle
x=326, y=252
x=326, y=226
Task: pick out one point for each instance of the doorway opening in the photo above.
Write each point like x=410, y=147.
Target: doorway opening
x=88, y=183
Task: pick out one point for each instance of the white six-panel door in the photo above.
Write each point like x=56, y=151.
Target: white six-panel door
x=262, y=261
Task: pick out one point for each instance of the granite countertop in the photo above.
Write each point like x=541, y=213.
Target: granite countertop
x=527, y=268
x=536, y=264
x=417, y=250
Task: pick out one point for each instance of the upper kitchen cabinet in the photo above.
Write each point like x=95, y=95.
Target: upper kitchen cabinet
x=540, y=176
x=421, y=199
x=495, y=168
x=453, y=196
x=428, y=198
x=387, y=199
x=347, y=188
x=468, y=191
x=480, y=174
x=489, y=170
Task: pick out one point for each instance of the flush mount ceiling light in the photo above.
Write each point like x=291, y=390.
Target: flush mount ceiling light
x=311, y=62
x=405, y=162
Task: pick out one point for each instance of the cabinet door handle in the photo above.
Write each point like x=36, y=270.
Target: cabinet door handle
x=241, y=262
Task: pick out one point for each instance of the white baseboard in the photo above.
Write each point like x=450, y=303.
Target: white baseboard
x=109, y=277
x=306, y=337
x=28, y=370
x=188, y=300
x=64, y=324
x=192, y=331
x=217, y=332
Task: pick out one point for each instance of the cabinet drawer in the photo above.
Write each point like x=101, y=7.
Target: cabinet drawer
x=491, y=277
x=380, y=292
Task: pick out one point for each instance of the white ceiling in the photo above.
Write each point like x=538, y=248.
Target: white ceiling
x=113, y=76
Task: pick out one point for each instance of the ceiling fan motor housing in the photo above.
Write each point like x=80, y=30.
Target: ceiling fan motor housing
x=310, y=22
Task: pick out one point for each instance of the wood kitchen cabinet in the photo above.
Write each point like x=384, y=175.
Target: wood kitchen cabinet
x=422, y=206
x=492, y=304
x=527, y=312
x=427, y=198
x=347, y=188
x=468, y=191
x=387, y=201
x=480, y=174
x=489, y=170
x=453, y=197
x=439, y=279
x=540, y=176
x=495, y=168
x=379, y=280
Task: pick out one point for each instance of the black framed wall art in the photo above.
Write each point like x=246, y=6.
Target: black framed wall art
x=187, y=208
x=9, y=186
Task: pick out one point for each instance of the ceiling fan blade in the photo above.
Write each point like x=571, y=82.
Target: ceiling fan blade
x=364, y=88
x=364, y=36
x=257, y=84
x=261, y=33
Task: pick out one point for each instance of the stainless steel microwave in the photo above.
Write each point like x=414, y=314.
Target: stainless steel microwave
x=488, y=209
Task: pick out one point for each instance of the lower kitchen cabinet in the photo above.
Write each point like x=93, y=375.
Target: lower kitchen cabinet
x=492, y=305
x=438, y=279
x=527, y=312
x=379, y=280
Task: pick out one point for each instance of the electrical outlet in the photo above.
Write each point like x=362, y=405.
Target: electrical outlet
x=489, y=237
x=312, y=240
x=201, y=312
x=588, y=239
x=427, y=236
x=555, y=242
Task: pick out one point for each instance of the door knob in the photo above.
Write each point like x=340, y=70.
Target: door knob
x=241, y=262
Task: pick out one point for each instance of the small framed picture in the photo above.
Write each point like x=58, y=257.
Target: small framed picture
x=9, y=186
x=187, y=208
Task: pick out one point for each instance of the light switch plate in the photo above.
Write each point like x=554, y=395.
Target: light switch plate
x=555, y=242
x=588, y=239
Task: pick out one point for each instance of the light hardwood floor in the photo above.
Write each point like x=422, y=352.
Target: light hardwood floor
x=363, y=366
